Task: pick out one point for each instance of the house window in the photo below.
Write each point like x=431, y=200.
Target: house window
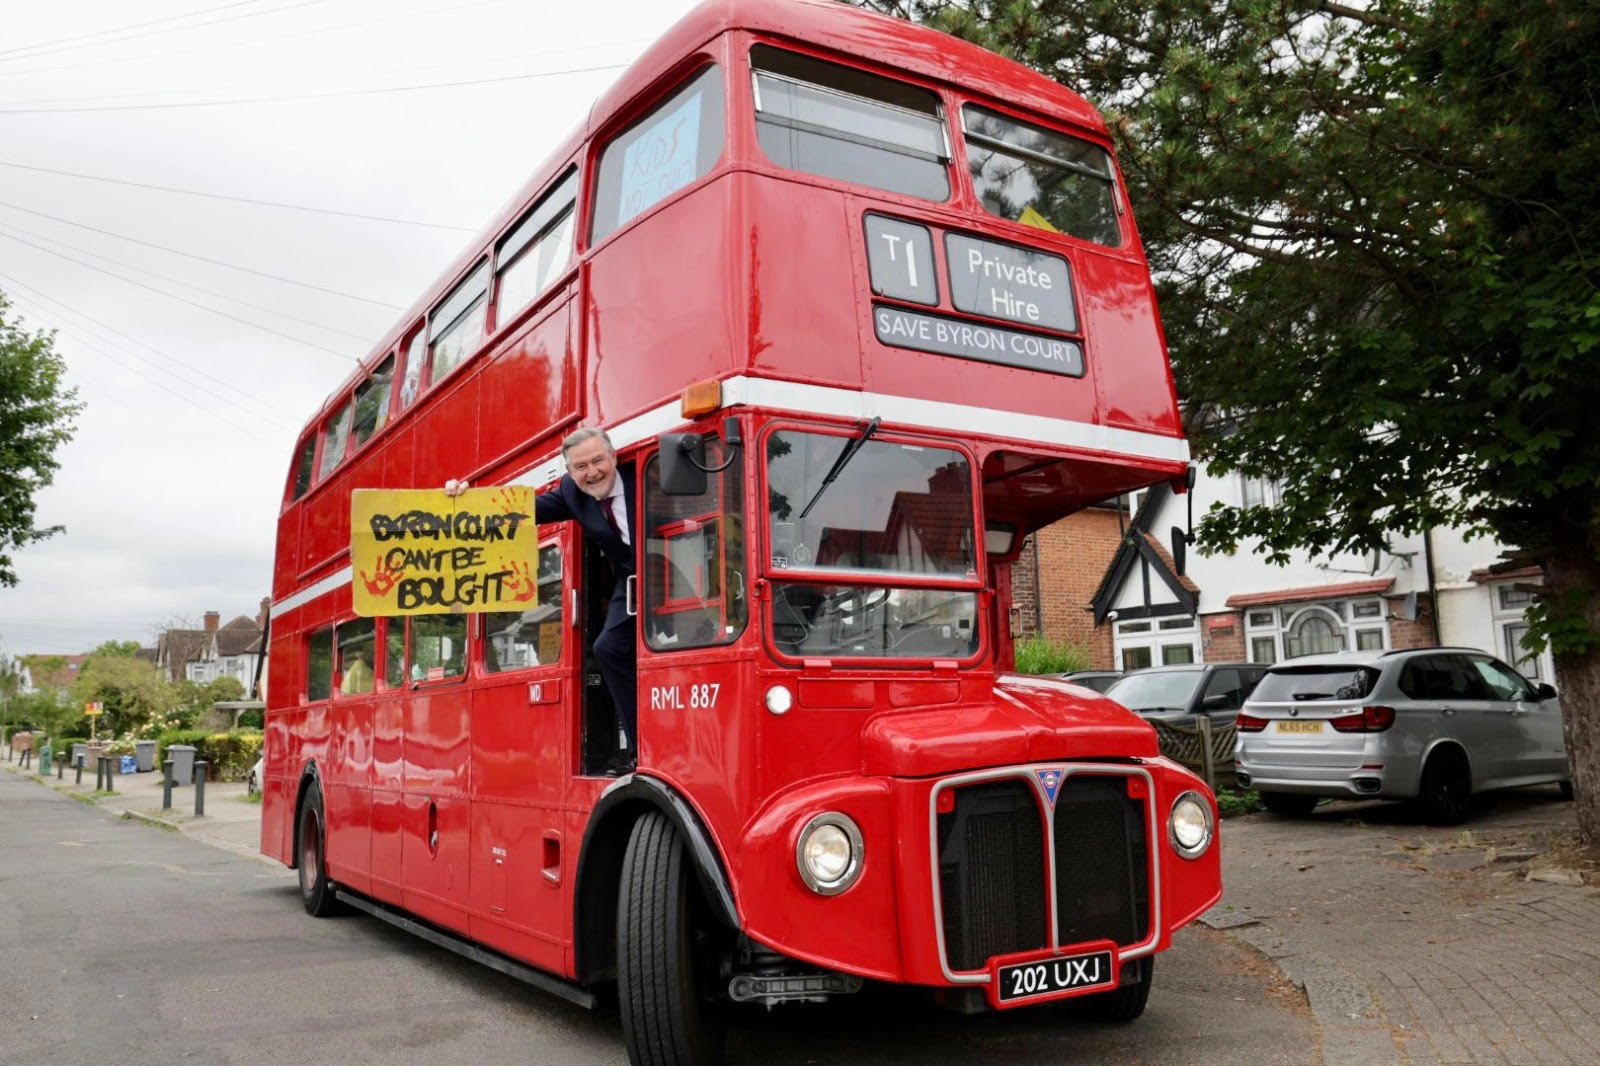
x=1369, y=640
x=1514, y=597
x=1367, y=609
x=1135, y=658
x=1528, y=663
x=1263, y=649
x=1258, y=491
x=1172, y=654
x=1314, y=631
x=1263, y=619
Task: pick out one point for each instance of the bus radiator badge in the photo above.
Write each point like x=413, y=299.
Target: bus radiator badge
x=1051, y=780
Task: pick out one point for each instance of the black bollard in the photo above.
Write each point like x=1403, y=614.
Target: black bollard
x=166, y=785
x=79, y=779
x=199, y=788
x=61, y=767
x=27, y=757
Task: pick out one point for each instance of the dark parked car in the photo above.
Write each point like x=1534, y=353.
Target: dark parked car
x=1099, y=680
x=1178, y=693
x=1432, y=724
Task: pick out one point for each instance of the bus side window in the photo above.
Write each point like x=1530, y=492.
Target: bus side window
x=513, y=640
x=674, y=145
x=694, y=560
x=438, y=647
x=536, y=252
x=457, y=325
x=303, y=467
x=357, y=645
x=319, y=664
x=372, y=402
x=335, y=437
x=416, y=356
x=394, y=652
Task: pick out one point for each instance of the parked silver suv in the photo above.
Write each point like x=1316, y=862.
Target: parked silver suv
x=1432, y=724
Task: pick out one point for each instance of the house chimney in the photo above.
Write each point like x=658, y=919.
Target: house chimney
x=266, y=609
x=212, y=618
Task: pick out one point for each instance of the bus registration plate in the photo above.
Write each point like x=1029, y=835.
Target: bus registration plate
x=1052, y=977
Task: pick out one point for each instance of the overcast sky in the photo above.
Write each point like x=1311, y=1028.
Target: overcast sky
x=170, y=490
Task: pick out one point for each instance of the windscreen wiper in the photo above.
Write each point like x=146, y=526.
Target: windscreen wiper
x=839, y=463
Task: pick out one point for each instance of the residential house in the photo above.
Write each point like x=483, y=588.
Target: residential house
x=217, y=650
x=1424, y=590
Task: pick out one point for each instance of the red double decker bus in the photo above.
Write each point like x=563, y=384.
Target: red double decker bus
x=860, y=306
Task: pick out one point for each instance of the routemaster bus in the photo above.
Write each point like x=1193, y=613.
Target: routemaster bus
x=860, y=306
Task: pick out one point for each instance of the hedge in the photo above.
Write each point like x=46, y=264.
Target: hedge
x=229, y=755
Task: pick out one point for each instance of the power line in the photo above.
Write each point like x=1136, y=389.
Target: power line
x=297, y=97
x=181, y=299
x=234, y=199
x=359, y=24
x=363, y=337
x=201, y=258
x=248, y=396
x=157, y=382
x=468, y=63
x=65, y=47
x=132, y=26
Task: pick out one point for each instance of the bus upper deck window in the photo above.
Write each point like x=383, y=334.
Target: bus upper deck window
x=679, y=141
x=334, y=438
x=457, y=324
x=372, y=402
x=842, y=123
x=416, y=356
x=534, y=254
x=1041, y=178
x=303, y=467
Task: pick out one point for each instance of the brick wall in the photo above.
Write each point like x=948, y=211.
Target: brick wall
x=1403, y=634
x=1222, y=637
x=1072, y=556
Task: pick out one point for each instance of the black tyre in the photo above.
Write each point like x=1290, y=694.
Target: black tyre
x=669, y=1013
x=1566, y=791
x=1289, y=804
x=316, y=891
x=1124, y=1003
x=1446, y=793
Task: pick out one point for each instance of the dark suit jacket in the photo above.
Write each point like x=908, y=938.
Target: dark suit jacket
x=567, y=502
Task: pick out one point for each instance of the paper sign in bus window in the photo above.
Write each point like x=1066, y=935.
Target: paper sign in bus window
x=662, y=160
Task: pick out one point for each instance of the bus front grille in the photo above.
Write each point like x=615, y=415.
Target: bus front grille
x=994, y=889
x=991, y=874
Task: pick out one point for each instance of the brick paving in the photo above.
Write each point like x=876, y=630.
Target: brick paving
x=1414, y=944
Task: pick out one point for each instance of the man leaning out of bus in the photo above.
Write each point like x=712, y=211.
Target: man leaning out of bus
x=591, y=494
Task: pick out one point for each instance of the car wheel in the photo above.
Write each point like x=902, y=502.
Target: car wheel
x=1446, y=792
x=1566, y=790
x=1289, y=804
x=1125, y=1002
x=251, y=784
x=316, y=891
x=662, y=988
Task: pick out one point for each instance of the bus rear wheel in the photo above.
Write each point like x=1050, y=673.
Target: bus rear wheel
x=666, y=994
x=316, y=891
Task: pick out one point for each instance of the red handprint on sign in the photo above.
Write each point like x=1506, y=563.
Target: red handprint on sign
x=521, y=584
x=383, y=579
x=509, y=501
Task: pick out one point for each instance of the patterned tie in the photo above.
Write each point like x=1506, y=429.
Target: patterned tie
x=611, y=516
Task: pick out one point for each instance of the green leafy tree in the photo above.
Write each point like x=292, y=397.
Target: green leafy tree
x=37, y=414
x=1376, y=234
x=132, y=692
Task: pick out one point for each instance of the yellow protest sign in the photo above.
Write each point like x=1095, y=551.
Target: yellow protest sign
x=419, y=551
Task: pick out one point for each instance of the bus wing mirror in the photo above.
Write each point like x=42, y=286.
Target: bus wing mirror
x=683, y=461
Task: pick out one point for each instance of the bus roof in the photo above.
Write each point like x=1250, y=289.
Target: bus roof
x=827, y=24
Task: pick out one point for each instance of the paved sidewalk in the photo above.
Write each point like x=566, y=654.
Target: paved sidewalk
x=232, y=820
x=1427, y=946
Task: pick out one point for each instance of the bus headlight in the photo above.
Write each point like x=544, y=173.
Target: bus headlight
x=829, y=853
x=1189, y=826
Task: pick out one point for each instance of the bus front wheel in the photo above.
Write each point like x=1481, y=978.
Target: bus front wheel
x=316, y=891
x=665, y=991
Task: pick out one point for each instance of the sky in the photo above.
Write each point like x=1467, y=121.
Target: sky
x=355, y=194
